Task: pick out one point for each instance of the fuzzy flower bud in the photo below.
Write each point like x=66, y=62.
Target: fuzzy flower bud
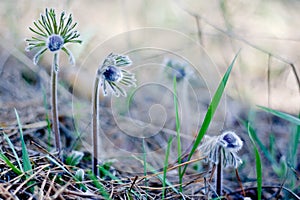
x=228, y=144
x=112, y=74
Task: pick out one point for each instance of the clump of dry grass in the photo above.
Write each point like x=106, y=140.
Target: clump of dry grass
x=52, y=179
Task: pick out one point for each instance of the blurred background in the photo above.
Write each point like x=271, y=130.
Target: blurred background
x=265, y=31
x=203, y=36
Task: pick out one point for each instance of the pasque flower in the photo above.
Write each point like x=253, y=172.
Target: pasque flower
x=109, y=74
x=227, y=144
x=53, y=35
x=180, y=69
x=112, y=74
x=221, y=151
x=177, y=67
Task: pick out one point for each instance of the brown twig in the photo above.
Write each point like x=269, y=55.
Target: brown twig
x=240, y=182
x=5, y=193
x=60, y=191
x=171, y=167
x=29, y=178
x=83, y=195
x=199, y=30
x=41, y=193
x=295, y=196
x=51, y=186
x=219, y=174
x=135, y=178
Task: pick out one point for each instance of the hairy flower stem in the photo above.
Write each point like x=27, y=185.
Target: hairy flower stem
x=95, y=124
x=55, y=126
x=219, y=174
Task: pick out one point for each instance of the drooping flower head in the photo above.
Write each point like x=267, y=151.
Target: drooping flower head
x=112, y=74
x=228, y=144
x=53, y=34
x=179, y=69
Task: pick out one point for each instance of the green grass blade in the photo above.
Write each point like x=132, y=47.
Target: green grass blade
x=258, y=166
x=159, y=176
x=144, y=157
x=106, y=172
x=262, y=147
x=10, y=164
x=25, y=157
x=74, y=158
x=14, y=151
x=282, y=115
x=166, y=167
x=296, y=135
x=211, y=111
x=60, y=165
x=98, y=185
x=67, y=171
x=295, y=143
x=179, y=152
x=272, y=144
x=145, y=162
